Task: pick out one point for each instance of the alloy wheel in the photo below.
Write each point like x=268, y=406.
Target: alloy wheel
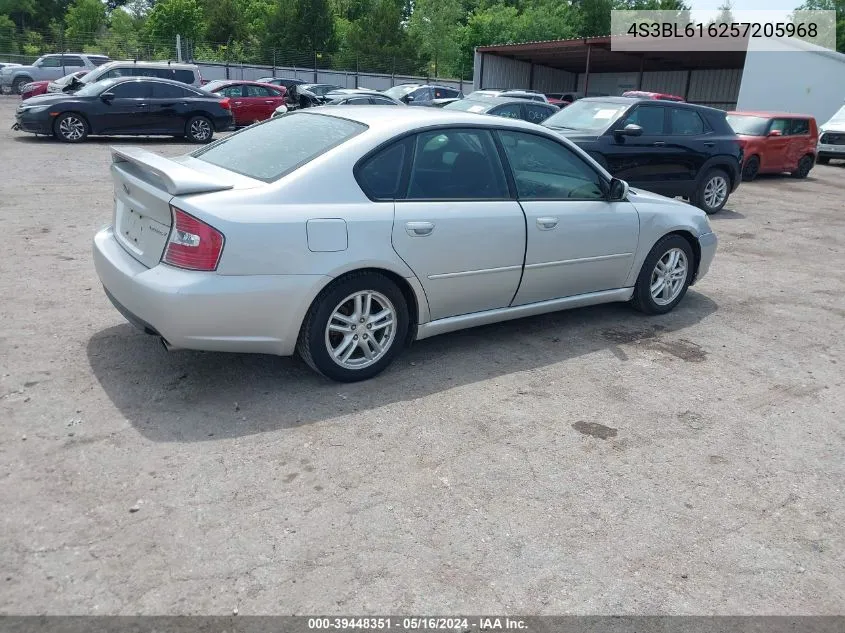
x=361, y=329
x=668, y=277
x=200, y=129
x=72, y=128
x=715, y=191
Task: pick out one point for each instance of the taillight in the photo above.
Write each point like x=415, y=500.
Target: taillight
x=193, y=244
x=224, y=103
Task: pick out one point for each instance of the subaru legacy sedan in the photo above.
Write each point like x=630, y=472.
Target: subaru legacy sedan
x=369, y=228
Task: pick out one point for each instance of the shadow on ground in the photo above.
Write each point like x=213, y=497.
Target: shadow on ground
x=190, y=396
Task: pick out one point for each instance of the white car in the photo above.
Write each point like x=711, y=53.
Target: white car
x=344, y=233
x=832, y=138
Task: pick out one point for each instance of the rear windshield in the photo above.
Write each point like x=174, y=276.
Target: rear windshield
x=280, y=145
x=748, y=125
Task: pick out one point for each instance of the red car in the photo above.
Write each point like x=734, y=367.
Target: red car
x=251, y=101
x=651, y=95
x=774, y=143
x=35, y=88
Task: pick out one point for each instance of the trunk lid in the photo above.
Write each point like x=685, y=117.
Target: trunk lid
x=144, y=185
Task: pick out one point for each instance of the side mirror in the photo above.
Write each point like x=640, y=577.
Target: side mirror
x=618, y=190
x=775, y=133
x=408, y=98
x=107, y=97
x=630, y=130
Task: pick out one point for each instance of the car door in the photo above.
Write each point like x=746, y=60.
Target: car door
x=169, y=108
x=48, y=68
x=643, y=161
x=689, y=143
x=799, y=145
x=128, y=111
x=240, y=110
x=577, y=241
x=776, y=144
x=260, y=102
x=456, y=226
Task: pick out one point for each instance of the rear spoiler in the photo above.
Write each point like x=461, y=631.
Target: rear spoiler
x=177, y=178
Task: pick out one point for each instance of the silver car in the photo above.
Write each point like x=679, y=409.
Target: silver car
x=364, y=229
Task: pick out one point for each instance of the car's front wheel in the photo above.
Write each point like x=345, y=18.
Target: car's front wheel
x=70, y=127
x=355, y=327
x=19, y=83
x=713, y=191
x=750, y=169
x=665, y=276
x=199, y=129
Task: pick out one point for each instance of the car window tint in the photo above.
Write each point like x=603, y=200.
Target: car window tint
x=185, y=76
x=51, y=62
x=257, y=91
x=72, y=60
x=537, y=113
x=649, y=118
x=510, y=111
x=779, y=125
x=358, y=101
x=98, y=61
x=381, y=101
x=167, y=91
x=685, y=122
x=422, y=94
x=546, y=170
x=230, y=91
x=131, y=90
x=799, y=127
x=448, y=93
x=456, y=164
x=258, y=151
x=380, y=175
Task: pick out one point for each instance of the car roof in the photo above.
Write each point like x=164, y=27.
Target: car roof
x=770, y=115
x=129, y=62
x=158, y=80
x=494, y=101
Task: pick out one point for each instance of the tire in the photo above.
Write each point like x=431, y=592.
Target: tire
x=71, y=127
x=19, y=83
x=713, y=191
x=199, y=129
x=334, y=306
x=670, y=246
x=804, y=167
x=750, y=169
x=823, y=160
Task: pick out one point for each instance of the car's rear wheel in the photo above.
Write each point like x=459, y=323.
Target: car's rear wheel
x=665, y=276
x=71, y=127
x=355, y=327
x=199, y=129
x=751, y=169
x=713, y=191
x=804, y=167
x=823, y=160
x=19, y=83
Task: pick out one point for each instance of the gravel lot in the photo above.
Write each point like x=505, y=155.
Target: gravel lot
x=594, y=461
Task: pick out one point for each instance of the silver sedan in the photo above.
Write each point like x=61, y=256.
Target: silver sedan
x=345, y=233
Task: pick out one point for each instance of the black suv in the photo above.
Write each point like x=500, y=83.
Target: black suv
x=674, y=149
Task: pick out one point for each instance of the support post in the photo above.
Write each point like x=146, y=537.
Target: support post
x=481, y=71
x=274, y=63
x=531, y=77
x=178, y=48
x=686, y=89
x=315, y=67
x=642, y=68
x=587, y=72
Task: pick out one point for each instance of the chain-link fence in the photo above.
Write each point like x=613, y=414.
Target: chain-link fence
x=26, y=47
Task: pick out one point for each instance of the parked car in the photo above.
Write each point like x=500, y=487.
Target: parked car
x=251, y=101
x=309, y=264
x=510, y=107
x=7, y=65
x=40, y=87
x=360, y=96
x=128, y=105
x=674, y=149
x=570, y=97
x=531, y=95
x=183, y=73
x=320, y=89
x=48, y=67
x=281, y=81
x=775, y=143
x=641, y=94
x=832, y=140
x=422, y=94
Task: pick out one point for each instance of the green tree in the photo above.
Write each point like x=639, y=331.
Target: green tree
x=830, y=5
x=225, y=19
x=21, y=12
x=8, y=41
x=84, y=19
x=169, y=18
x=301, y=25
x=436, y=24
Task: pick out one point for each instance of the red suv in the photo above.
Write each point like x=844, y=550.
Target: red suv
x=640, y=94
x=774, y=143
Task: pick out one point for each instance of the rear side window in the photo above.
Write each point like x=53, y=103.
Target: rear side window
x=358, y=101
x=799, y=127
x=537, y=113
x=185, y=76
x=97, y=61
x=685, y=122
x=379, y=176
x=167, y=91
x=131, y=90
x=73, y=60
x=256, y=91
x=277, y=147
x=510, y=111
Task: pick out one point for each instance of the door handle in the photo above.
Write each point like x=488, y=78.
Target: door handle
x=419, y=229
x=140, y=105
x=269, y=102
x=546, y=224
x=659, y=144
x=237, y=102
x=709, y=144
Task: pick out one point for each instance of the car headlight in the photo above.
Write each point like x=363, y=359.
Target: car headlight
x=34, y=108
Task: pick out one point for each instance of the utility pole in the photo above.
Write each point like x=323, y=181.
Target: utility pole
x=178, y=48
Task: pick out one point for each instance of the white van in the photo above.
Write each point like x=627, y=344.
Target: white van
x=186, y=73
x=832, y=138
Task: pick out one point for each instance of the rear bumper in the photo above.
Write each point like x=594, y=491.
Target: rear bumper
x=206, y=311
x=707, y=244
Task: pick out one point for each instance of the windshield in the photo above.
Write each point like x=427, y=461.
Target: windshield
x=468, y=105
x=280, y=145
x=397, y=92
x=839, y=117
x=748, y=125
x=590, y=116
x=92, y=90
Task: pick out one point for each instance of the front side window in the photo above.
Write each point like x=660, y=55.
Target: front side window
x=456, y=164
x=358, y=101
x=649, y=118
x=257, y=153
x=379, y=176
x=230, y=91
x=779, y=125
x=131, y=90
x=685, y=122
x=50, y=62
x=185, y=76
x=547, y=170
x=421, y=94
x=537, y=113
x=257, y=91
